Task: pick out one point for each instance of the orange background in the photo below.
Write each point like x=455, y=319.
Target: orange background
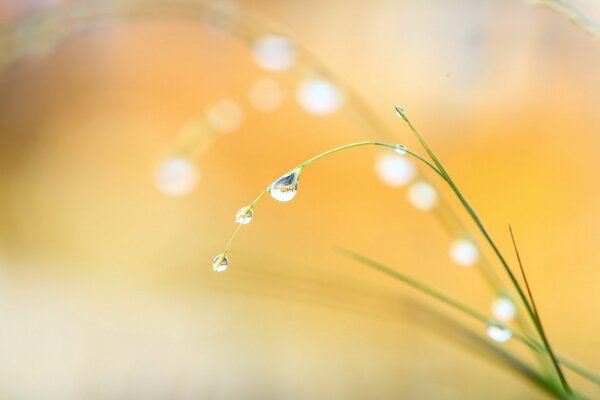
x=106, y=288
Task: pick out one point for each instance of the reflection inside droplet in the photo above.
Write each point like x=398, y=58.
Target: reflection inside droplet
x=498, y=333
x=244, y=215
x=220, y=263
x=286, y=187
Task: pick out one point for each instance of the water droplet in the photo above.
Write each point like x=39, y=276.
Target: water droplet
x=464, y=253
x=177, y=176
x=497, y=332
x=244, y=216
x=220, y=263
x=274, y=53
x=286, y=187
x=400, y=112
x=226, y=116
x=393, y=170
x=266, y=95
x=504, y=309
x=400, y=149
x=319, y=96
x=422, y=196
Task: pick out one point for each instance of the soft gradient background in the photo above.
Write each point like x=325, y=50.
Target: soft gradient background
x=106, y=287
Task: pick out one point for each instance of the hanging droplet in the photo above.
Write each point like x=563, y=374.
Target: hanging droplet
x=400, y=149
x=504, y=309
x=244, y=216
x=220, y=263
x=497, y=332
x=286, y=187
x=464, y=253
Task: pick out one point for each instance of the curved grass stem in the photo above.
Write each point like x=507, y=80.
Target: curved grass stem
x=471, y=211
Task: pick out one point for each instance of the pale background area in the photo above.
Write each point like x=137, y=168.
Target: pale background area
x=106, y=287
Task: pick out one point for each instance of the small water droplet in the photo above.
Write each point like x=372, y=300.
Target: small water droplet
x=400, y=112
x=244, y=215
x=504, y=309
x=220, y=263
x=286, y=187
x=400, y=149
x=464, y=253
x=497, y=332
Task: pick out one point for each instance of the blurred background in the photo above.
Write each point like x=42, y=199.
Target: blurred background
x=131, y=133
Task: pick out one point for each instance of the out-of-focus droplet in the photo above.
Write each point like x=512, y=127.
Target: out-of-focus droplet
x=220, y=263
x=244, y=215
x=266, y=95
x=319, y=96
x=422, y=196
x=400, y=149
x=177, y=176
x=504, y=309
x=226, y=116
x=220, y=17
x=286, y=187
x=464, y=253
x=498, y=333
x=393, y=170
x=274, y=53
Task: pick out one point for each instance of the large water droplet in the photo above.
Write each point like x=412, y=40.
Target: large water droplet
x=422, y=196
x=177, y=176
x=400, y=149
x=286, y=187
x=497, y=332
x=244, y=215
x=504, y=309
x=319, y=96
x=274, y=53
x=464, y=253
x=220, y=263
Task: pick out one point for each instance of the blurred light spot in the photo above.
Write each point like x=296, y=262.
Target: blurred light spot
x=221, y=17
x=504, y=309
x=498, y=333
x=318, y=96
x=393, y=170
x=266, y=95
x=464, y=253
x=274, y=53
x=422, y=196
x=177, y=176
x=226, y=116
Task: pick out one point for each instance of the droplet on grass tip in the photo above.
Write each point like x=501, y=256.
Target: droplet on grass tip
x=422, y=196
x=244, y=215
x=464, y=253
x=504, y=309
x=220, y=263
x=274, y=53
x=497, y=332
x=286, y=187
x=393, y=170
x=319, y=96
x=400, y=112
x=177, y=176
